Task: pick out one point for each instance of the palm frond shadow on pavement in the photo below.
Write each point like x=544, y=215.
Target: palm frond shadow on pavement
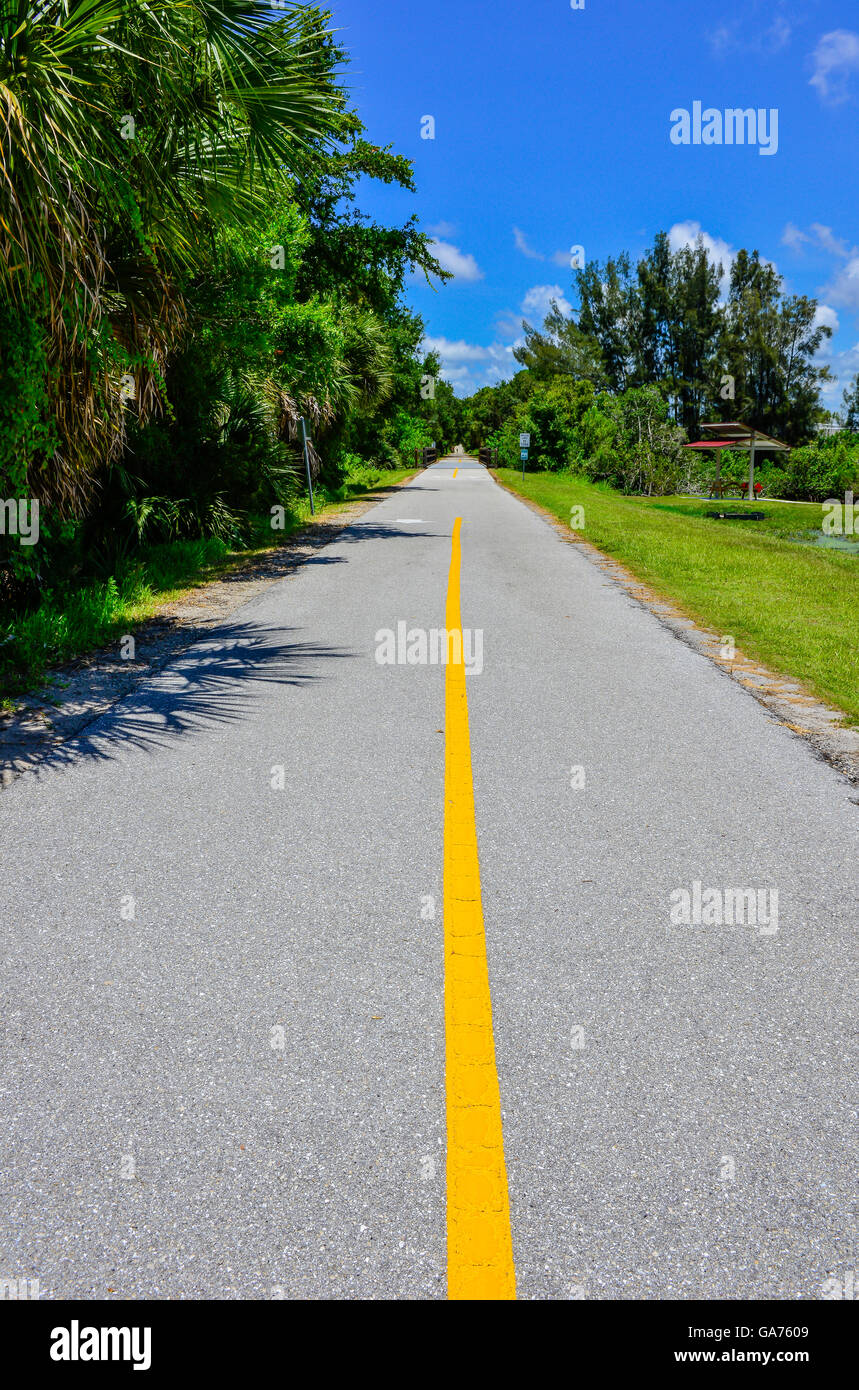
x=215, y=681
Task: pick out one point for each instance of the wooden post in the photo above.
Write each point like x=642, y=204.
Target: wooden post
x=752, y=468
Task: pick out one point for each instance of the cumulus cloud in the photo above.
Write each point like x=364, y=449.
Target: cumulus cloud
x=835, y=58
x=462, y=265
x=444, y=229
x=720, y=251
x=826, y=317
x=844, y=289
x=459, y=351
x=468, y=366
x=687, y=233
x=538, y=301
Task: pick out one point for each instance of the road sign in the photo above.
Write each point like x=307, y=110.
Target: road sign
x=524, y=441
x=523, y=454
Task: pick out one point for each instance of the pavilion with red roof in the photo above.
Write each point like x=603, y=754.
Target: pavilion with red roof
x=732, y=434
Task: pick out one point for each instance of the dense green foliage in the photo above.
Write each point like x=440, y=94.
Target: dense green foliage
x=612, y=392
x=185, y=277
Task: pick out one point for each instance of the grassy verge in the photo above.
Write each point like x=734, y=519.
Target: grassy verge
x=68, y=624
x=786, y=602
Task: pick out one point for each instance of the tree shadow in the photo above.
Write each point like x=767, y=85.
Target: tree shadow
x=214, y=681
x=211, y=680
x=381, y=531
x=323, y=560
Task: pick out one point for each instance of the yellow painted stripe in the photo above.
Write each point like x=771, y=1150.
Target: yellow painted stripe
x=479, y=1244
x=455, y=471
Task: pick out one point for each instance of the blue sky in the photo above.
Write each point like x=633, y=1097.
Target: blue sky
x=553, y=129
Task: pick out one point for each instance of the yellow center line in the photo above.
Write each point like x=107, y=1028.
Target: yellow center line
x=455, y=471
x=479, y=1244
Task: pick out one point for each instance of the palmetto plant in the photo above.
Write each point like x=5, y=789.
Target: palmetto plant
x=128, y=132
x=368, y=360
x=328, y=380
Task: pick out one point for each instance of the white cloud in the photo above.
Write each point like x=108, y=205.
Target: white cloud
x=778, y=34
x=468, y=366
x=846, y=364
x=508, y=324
x=827, y=239
x=522, y=245
x=818, y=235
x=459, y=351
x=562, y=258
x=792, y=236
x=843, y=365
x=460, y=263
x=735, y=38
x=844, y=289
x=835, y=58
x=721, y=39
x=443, y=229
x=687, y=233
x=826, y=316
x=720, y=252
x=538, y=301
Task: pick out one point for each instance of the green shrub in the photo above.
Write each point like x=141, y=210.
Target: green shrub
x=814, y=472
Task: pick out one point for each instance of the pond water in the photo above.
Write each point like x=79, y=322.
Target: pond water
x=849, y=544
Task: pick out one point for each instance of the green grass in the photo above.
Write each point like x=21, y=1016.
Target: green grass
x=69, y=624
x=786, y=603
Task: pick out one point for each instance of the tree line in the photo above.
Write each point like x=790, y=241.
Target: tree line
x=615, y=389
x=186, y=275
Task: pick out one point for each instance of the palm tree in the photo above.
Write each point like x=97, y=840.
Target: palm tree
x=129, y=130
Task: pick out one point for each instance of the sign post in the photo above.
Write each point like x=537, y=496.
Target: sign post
x=524, y=445
x=307, y=465
x=752, y=467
